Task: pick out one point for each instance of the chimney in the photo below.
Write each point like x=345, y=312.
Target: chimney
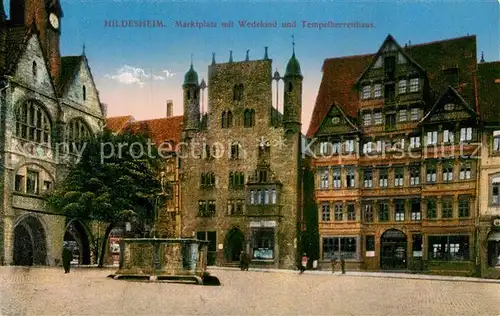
x=170, y=108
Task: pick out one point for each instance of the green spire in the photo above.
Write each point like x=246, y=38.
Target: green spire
x=293, y=66
x=191, y=77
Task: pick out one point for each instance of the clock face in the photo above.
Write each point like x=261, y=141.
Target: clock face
x=54, y=21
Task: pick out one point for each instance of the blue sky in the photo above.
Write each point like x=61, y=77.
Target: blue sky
x=118, y=56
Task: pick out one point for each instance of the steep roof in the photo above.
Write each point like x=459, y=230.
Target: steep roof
x=489, y=91
x=69, y=68
x=12, y=43
x=338, y=84
x=161, y=129
x=118, y=123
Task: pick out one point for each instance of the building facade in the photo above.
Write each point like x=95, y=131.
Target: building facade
x=397, y=141
x=48, y=103
x=240, y=165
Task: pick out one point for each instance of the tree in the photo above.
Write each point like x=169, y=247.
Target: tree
x=114, y=180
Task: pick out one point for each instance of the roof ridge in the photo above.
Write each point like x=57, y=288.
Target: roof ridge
x=441, y=41
x=350, y=56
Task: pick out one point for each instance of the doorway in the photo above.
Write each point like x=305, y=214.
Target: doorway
x=393, y=245
x=234, y=245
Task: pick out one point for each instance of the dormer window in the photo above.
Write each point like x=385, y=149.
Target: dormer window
x=414, y=85
x=84, y=93
x=366, y=92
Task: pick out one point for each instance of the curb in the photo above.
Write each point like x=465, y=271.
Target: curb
x=386, y=275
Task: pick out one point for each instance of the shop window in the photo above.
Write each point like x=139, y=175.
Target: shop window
x=448, y=248
x=334, y=247
x=263, y=244
x=417, y=245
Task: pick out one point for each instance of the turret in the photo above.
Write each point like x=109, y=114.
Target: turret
x=191, y=100
x=292, y=111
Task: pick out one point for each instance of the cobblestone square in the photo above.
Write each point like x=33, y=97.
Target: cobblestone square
x=87, y=291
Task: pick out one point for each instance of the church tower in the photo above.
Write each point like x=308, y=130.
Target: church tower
x=191, y=100
x=292, y=111
x=46, y=16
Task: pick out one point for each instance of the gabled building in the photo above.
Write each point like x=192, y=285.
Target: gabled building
x=397, y=140
x=48, y=103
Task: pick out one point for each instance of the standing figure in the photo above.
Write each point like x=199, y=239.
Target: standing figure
x=303, y=265
x=342, y=263
x=67, y=256
x=243, y=260
x=334, y=263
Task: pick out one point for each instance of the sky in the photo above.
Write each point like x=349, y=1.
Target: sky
x=137, y=69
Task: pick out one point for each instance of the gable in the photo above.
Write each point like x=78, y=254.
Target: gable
x=449, y=107
x=80, y=87
x=336, y=122
x=32, y=69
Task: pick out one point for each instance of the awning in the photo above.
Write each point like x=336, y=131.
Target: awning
x=494, y=236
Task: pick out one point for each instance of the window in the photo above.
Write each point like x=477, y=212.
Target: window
x=338, y=215
x=370, y=243
x=399, y=210
x=236, y=180
x=495, y=190
x=206, y=208
x=368, y=178
x=416, y=214
x=227, y=119
x=377, y=118
x=389, y=93
x=431, y=173
x=32, y=182
x=337, y=182
x=447, y=172
x=403, y=115
x=325, y=212
x=366, y=92
x=323, y=181
x=417, y=244
x=274, y=196
x=448, y=248
x=249, y=118
x=76, y=132
x=415, y=114
x=368, y=147
x=466, y=134
x=211, y=208
x=431, y=208
x=47, y=185
x=351, y=212
x=238, y=92
x=383, y=211
x=448, y=136
x=447, y=207
x=496, y=141
x=463, y=207
x=449, y=107
x=415, y=142
x=377, y=90
x=349, y=146
x=398, y=177
x=262, y=176
x=368, y=213
x=263, y=244
x=253, y=197
x=465, y=171
x=350, y=179
x=235, y=151
x=34, y=70
x=336, y=147
x=414, y=85
x=19, y=183
x=367, y=119
x=207, y=180
x=323, y=148
x=390, y=67
x=84, y=93
x=334, y=246
x=402, y=86
x=415, y=176
x=207, y=152
x=432, y=138
x=32, y=123
x=390, y=121
x=382, y=178
x=235, y=207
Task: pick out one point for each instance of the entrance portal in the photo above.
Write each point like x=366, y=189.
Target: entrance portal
x=76, y=239
x=29, y=243
x=393, y=250
x=234, y=245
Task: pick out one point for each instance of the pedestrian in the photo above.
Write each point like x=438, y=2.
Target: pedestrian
x=246, y=260
x=334, y=263
x=342, y=263
x=67, y=256
x=303, y=265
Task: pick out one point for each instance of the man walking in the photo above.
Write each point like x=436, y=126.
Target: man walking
x=67, y=256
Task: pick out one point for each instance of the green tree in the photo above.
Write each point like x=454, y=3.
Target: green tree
x=114, y=180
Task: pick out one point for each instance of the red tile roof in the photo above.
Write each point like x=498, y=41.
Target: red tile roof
x=118, y=123
x=161, y=129
x=340, y=75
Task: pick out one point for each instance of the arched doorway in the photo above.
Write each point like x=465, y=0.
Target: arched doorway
x=234, y=245
x=29, y=243
x=76, y=239
x=393, y=250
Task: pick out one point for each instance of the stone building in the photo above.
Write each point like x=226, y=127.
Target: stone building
x=46, y=101
x=489, y=185
x=241, y=162
x=397, y=136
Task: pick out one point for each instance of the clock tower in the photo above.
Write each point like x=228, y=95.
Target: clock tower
x=46, y=16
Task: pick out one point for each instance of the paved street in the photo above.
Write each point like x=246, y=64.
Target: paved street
x=86, y=291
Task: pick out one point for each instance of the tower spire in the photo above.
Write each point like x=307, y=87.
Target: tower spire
x=83, y=49
x=191, y=61
x=482, y=57
x=293, y=44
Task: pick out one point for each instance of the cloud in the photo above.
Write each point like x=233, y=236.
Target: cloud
x=133, y=75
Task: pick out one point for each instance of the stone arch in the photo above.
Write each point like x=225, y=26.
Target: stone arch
x=493, y=249
x=393, y=248
x=234, y=244
x=42, y=121
x=78, y=238
x=30, y=242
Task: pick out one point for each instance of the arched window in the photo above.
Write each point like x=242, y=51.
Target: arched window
x=235, y=151
x=84, y=93
x=34, y=69
x=32, y=123
x=76, y=132
x=227, y=119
